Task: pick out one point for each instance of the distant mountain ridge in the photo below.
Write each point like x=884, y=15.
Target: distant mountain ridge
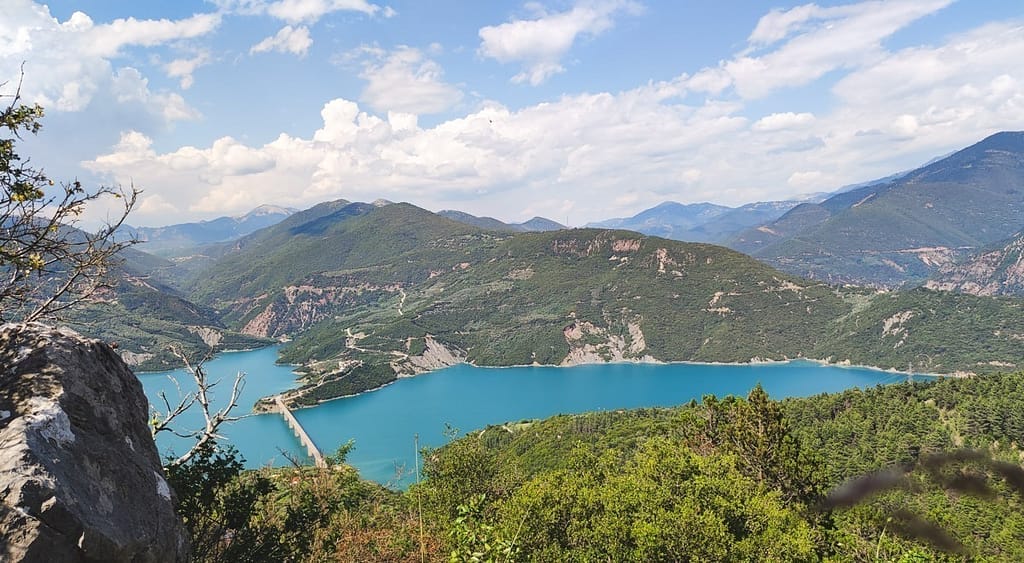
x=162, y=240
x=905, y=230
x=697, y=222
x=536, y=224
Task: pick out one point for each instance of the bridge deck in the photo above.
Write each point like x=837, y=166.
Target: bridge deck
x=300, y=432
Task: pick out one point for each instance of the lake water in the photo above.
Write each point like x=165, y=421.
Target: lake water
x=384, y=423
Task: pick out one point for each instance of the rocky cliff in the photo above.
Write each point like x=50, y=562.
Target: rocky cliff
x=80, y=476
x=996, y=271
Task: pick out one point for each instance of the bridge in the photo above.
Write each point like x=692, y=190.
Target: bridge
x=304, y=439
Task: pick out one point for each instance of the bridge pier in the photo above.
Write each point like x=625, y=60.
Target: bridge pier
x=304, y=439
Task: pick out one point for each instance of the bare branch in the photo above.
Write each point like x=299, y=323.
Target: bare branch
x=212, y=420
x=48, y=264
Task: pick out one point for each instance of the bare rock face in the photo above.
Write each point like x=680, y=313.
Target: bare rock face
x=80, y=476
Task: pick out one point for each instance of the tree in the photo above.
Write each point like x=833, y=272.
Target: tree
x=48, y=264
x=212, y=420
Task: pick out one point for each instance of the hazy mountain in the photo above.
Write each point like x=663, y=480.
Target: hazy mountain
x=902, y=230
x=174, y=238
x=492, y=224
x=698, y=222
x=666, y=219
x=539, y=224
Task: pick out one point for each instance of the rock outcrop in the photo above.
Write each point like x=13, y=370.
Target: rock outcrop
x=80, y=476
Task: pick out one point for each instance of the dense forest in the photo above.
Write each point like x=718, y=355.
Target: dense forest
x=908, y=472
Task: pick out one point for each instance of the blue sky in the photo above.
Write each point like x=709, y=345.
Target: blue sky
x=577, y=110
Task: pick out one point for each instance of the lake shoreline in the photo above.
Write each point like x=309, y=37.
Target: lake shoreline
x=753, y=362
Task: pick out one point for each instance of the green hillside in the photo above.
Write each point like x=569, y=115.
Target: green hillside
x=145, y=316
x=366, y=294
x=903, y=473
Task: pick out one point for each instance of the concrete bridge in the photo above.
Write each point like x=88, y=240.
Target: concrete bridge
x=307, y=442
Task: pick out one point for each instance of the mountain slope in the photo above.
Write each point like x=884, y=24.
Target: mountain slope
x=997, y=271
x=368, y=294
x=903, y=231
x=145, y=316
x=284, y=278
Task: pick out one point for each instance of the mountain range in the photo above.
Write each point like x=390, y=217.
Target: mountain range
x=174, y=238
x=903, y=231
x=364, y=293
x=698, y=222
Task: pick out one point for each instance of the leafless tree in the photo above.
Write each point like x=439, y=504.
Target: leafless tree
x=212, y=419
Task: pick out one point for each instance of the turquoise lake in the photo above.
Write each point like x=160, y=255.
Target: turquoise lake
x=384, y=423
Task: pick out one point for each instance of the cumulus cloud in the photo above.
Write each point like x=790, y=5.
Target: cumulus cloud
x=183, y=69
x=405, y=81
x=539, y=44
x=591, y=156
x=303, y=11
x=71, y=63
x=294, y=40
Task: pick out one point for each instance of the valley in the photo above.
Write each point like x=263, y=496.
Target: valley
x=364, y=294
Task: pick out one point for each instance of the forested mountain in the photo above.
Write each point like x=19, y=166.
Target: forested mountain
x=903, y=231
x=368, y=293
x=145, y=316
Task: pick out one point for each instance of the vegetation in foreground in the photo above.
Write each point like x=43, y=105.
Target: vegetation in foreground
x=729, y=480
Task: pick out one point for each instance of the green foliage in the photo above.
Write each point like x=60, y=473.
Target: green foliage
x=659, y=503
x=291, y=514
x=216, y=500
x=476, y=541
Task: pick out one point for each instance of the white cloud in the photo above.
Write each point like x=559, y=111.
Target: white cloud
x=405, y=81
x=806, y=179
x=819, y=40
x=539, y=44
x=787, y=120
x=129, y=86
x=184, y=68
x=778, y=24
x=107, y=40
x=303, y=11
x=591, y=156
x=70, y=64
x=294, y=40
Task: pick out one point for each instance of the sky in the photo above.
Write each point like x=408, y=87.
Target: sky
x=575, y=110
